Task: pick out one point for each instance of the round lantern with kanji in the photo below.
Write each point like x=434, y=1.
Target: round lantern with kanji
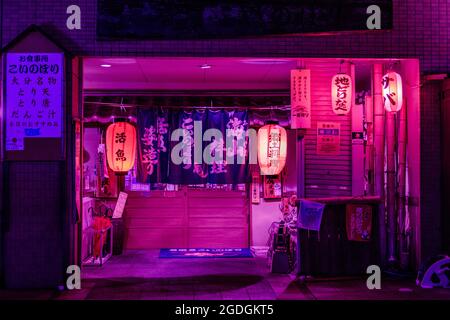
x=392, y=92
x=121, y=146
x=272, y=149
x=341, y=93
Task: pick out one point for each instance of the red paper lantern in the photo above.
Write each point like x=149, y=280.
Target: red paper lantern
x=272, y=148
x=392, y=92
x=341, y=93
x=121, y=146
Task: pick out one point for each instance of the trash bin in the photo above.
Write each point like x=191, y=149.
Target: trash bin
x=119, y=233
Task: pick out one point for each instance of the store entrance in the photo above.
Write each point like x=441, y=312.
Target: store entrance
x=176, y=204
x=158, y=212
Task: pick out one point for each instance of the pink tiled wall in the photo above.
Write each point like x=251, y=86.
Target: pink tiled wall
x=420, y=29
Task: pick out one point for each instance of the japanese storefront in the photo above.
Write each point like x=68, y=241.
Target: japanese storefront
x=172, y=139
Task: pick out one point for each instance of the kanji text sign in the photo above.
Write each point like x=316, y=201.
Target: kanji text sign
x=34, y=97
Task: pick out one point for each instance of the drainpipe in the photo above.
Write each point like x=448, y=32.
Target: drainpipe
x=390, y=187
x=379, y=156
x=401, y=199
x=357, y=148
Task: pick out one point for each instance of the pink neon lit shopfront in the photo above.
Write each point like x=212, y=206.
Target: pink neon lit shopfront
x=109, y=81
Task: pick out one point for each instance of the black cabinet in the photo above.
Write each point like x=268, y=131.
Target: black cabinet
x=330, y=253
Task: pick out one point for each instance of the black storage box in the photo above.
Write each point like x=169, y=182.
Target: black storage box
x=118, y=235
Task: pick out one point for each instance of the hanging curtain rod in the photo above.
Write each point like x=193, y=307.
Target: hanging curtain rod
x=118, y=105
x=182, y=93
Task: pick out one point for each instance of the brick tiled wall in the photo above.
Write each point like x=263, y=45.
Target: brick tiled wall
x=420, y=29
x=35, y=258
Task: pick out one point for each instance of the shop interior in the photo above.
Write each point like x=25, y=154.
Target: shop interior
x=182, y=208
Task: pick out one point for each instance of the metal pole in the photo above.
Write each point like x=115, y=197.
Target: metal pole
x=357, y=115
x=300, y=157
x=369, y=165
x=379, y=124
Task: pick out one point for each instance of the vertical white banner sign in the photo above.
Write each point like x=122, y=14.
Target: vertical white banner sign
x=300, y=99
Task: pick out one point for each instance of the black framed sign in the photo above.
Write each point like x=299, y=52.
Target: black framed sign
x=202, y=19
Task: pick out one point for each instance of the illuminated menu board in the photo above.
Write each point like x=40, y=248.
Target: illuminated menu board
x=34, y=97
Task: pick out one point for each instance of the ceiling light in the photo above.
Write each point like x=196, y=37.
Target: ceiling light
x=119, y=61
x=205, y=66
x=266, y=61
x=105, y=65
